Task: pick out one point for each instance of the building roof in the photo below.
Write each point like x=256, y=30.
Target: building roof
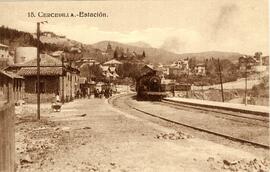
x=11, y=75
x=2, y=45
x=44, y=71
x=200, y=64
x=75, y=49
x=57, y=53
x=45, y=60
x=112, y=62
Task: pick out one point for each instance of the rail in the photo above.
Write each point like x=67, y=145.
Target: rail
x=193, y=127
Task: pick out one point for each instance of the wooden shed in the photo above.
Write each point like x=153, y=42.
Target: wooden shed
x=11, y=87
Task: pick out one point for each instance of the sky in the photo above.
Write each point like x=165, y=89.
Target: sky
x=180, y=26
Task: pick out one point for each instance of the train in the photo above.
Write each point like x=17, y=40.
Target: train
x=148, y=87
x=151, y=86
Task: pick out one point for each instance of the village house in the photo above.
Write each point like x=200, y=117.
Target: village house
x=86, y=61
x=3, y=63
x=253, y=64
x=4, y=51
x=109, y=72
x=113, y=63
x=60, y=55
x=265, y=61
x=165, y=69
x=4, y=56
x=182, y=64
x=200, y=69
x=109, y=69
x=55, y=78
x=11, y=87
x=179, y=67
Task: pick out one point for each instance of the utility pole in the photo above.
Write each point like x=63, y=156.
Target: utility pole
x=38, y=71
x=38, y=68
x=221, y=84
x=246, y=61
x=202, y=91
x=187, y=87
x=63, y=82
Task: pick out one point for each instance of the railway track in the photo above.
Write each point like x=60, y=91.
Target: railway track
x=225, y=112
x=252, y=119
x=219, y=134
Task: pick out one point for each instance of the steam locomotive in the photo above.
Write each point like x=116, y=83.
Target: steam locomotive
x=148, y=87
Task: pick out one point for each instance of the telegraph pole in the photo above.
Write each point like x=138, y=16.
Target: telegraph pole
x=63, y=82
x=220, y=76
x=187, y=84
x=38, y=70
x=246, y=60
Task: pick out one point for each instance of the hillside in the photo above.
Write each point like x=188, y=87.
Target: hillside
x=232, y=56
x=62, y=41
x=52, y=42
x=152, y=54
x=15, y=38
x=155, y=55
x=140, y=44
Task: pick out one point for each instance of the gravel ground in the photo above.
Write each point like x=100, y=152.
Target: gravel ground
x=205, y=120
x=91, y=135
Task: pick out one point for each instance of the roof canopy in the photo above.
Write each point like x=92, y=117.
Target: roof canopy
x=11, y=75
x=44, y=71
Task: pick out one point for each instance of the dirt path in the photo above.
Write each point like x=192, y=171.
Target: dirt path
x=93, y=136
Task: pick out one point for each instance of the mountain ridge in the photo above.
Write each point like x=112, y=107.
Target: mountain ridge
x=164, y=56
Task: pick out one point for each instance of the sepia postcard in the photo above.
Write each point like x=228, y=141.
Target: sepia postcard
x=134, y=86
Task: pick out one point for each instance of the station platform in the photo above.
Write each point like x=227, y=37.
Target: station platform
x=251, y=109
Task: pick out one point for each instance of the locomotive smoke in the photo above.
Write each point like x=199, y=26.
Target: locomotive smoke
x=226, y=15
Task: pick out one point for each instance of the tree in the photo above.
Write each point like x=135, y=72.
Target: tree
x=143, y=54
x=115, y=54
x=192, y=62
x=131, y=70
x=91, y=72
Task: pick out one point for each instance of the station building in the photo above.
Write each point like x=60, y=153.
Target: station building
x=55, y=78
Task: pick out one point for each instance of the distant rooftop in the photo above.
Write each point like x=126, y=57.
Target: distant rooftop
x=112, y=62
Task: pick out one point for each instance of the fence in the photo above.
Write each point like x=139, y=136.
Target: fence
x=7, y=117
x=7, y=137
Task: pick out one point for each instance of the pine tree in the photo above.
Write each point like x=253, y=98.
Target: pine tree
x=143, y=54
x=115, y=54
